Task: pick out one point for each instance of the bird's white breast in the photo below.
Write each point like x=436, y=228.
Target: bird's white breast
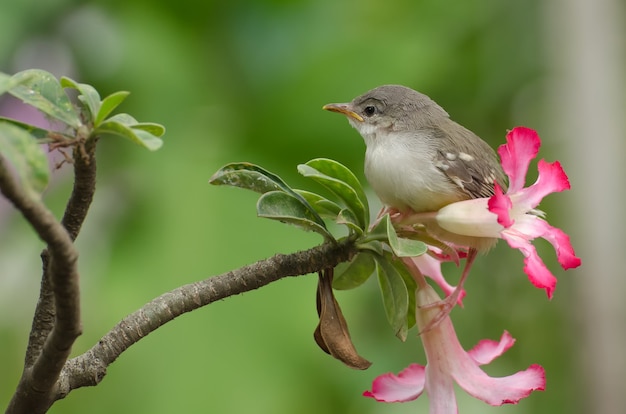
x=400, y=168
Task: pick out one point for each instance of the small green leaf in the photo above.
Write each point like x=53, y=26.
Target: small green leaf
x=339, y=187
x=395, y=295
x=42, y=90
x=147, y=140
x=138, y=136
x=323, y=206
x=379, y=232
x=403, y=247
x=284, y=207
x=248, y=176
x=124, y=119
x=252, y=177
x=88, y=95
x=347, y=218
x=36, y=132
x=411, y=286
x=26, y=156
x=408, y=248
x=349, y=275
x=109, y=104
x=339, y=171
x=373, y=246
x=6, y=83
x=155, y=129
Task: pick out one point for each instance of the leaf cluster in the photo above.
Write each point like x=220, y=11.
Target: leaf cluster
x=379, y=245
x=75, y=123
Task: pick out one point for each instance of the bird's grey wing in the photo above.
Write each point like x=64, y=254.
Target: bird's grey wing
x=469, y=162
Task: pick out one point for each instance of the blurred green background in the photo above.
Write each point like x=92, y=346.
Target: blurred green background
x=245, y=80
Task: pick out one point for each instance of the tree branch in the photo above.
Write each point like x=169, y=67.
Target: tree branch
x=48, y=375
x=56, y=323
x=83, y=190
x=89, y=368
x=73, y=218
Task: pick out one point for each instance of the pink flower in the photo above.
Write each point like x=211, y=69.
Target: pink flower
x=430, y=266
x=512, y=215
x=448, y=362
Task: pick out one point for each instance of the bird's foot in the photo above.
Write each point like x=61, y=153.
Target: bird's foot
x=445, y=306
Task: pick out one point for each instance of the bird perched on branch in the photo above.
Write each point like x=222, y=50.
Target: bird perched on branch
x=418, y=160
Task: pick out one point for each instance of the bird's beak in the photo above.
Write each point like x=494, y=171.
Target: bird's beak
x=343, y=108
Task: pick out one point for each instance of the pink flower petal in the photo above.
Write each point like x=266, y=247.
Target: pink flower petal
x=503, y=390
x=447, y=359
x=564, y=250
x=406, y=386
x=487, y=350
x=500, y=204
x=533, y=227
x=448, y=362
x=537, y=272
x=522, y=145
x=431, y=267
x=551, y=179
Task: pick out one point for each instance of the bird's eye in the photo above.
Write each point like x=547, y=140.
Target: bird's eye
x=369, y=110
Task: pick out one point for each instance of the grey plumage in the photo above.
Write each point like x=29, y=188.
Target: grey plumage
x=417, y=159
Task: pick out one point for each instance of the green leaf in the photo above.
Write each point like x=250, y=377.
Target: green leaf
x=401, y=247
x=36, y=132
x=248, y=176
x=332, y=210
x=285, y=207
x=347, y=218
x=379, y=231
x=42, y=90
x=147, y=140
x=88, y=95
x=354, y=273
x=124, y=119
x=255, y=178
x=138, y=136
x=126, y=126
x=350, y=189
x=345, y=191
x=411, y=286
x=373, y=246
x=26, y=156
x=6, y=83
x=406, y=247
x=395, y=295
x=155, y=129
x=341, y=172
x=109, y=104
x=323, y=206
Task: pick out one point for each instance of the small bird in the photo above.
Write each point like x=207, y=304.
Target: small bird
x=418, y=160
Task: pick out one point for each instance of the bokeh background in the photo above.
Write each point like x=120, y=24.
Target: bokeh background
x=245, y=80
